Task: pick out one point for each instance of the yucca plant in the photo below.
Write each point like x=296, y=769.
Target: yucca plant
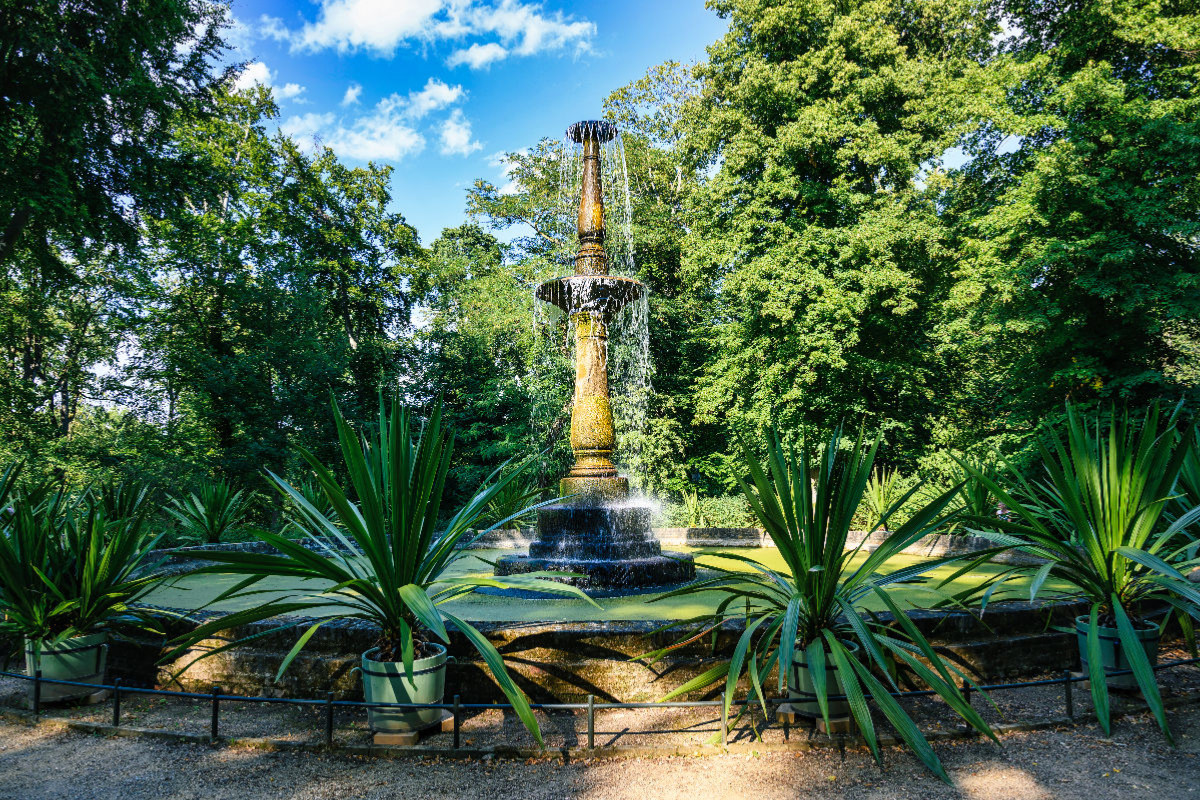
x=814, y=609
x=67, y=569
x=693, y=509
x=512, y=503
x=381, y=550
x=295, y=519
x=975, y=500
x=1188, y=487
x=882, y=490
x=121, y=499
x=1099, y=516
x=212, y=513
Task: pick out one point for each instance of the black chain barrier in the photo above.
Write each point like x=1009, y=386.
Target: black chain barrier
x=591, y=706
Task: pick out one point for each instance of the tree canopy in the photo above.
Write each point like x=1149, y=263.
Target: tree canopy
x=937, y=220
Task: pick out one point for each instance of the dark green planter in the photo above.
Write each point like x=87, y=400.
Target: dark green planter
x=385, y=682
x=83, y=659
x=802, y=693
x=1112, y=654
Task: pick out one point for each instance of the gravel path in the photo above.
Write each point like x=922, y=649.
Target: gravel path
x=1070, y=763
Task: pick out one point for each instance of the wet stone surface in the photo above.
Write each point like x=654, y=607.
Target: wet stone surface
x=610, y=546
x=629, y=573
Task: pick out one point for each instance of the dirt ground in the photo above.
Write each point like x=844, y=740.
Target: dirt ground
x=1073, y=762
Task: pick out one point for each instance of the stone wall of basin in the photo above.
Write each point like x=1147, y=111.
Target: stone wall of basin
x=568, y=661
x=565, y=662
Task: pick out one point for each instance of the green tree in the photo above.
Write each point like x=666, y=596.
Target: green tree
x=90, y=94
x=286, y=288
x=823, y=124
x=1080, y=209
x=477, y=345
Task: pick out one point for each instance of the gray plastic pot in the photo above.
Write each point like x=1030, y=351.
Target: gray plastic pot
x=83, y=659
x=386, y=682
x=1112, y=652
x=802, y=693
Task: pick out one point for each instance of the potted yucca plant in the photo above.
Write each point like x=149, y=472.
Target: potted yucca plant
x=385, y=556
x=808, y=622
x=71, y=578
x=1108, y=515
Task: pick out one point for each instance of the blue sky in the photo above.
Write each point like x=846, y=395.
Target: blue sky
x=439, y=88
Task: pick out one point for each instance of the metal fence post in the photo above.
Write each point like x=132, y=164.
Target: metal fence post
x=591, y=721
x=724, y=719
x=117, y=703
x=329, y=719
x=1069, y=692
x=966, y=688
x=37, y=693
x=216, y=709
x=457, y=721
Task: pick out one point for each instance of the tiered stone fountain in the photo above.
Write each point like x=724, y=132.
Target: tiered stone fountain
x=598, y=532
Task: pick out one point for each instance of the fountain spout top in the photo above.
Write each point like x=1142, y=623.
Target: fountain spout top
x=598, y=129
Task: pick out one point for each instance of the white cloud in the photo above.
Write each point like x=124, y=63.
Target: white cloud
x=237, y=34
x=381, y=26
x=256, y=72
x=435, y=96
x=501, y=162
x=478, y=56
x=388, y=131
x=273, y=28
x=518, y=22
x=291, y=91
x=376, y=25
x=307, y=126
x=456, y=136
x=383, y=134
x=378, y=137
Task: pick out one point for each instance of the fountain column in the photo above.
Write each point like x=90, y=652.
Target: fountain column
x=593, y=438
x=595, y=533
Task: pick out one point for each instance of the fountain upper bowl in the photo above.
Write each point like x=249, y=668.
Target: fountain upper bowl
x=599, y=129
x=604, y=294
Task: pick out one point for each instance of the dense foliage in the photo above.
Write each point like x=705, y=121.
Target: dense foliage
x=943, y=219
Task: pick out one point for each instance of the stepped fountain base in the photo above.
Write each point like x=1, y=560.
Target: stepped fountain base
x=628, y=574
x=602, y=537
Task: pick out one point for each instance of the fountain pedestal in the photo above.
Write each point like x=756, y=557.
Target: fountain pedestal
x=597, y=532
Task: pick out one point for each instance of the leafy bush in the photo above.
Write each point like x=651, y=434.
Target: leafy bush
x=729, y=511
